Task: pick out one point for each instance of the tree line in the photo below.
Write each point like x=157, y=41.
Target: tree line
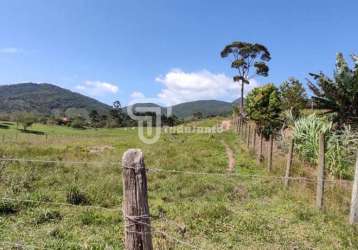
x=334, y=106
x=116, y=117
x=337, y=95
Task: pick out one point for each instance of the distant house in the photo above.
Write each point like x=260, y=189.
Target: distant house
x=64, y=121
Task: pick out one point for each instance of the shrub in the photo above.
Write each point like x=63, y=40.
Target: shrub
x=48, y=216
x=76, y=197
x=57, y=233
x=8, y=207
x=78, y=123
x=25, y=120
x=91, y=218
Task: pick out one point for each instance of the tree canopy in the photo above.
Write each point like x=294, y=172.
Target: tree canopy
x=293, y=96
x=25, y=120
x=247, y=56
x=263, y=106
x=339, y=95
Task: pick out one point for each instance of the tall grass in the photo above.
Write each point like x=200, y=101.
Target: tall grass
x=340, y=144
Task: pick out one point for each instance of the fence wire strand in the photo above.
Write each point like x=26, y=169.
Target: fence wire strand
x=59, y=204
x=171, y=171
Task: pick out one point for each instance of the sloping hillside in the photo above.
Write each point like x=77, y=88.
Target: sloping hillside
x=43, y=99
x=206, y=107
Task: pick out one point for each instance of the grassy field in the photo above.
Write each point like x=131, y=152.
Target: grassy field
x=206, y=211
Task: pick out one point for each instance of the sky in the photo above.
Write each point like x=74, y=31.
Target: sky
x=167, y=51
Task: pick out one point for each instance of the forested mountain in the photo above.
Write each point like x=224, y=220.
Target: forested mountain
x=44, y=98
x=47, y=98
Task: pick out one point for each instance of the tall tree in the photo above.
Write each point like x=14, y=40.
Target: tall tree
x=94, y=117
x=116, y=113
x=245, y=57
x=338, y=95
x=293, y=96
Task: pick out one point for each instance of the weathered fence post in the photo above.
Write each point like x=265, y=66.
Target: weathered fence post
x=135, y=202
x=260, y=156
x=320, y=172
x=269, y=162
x=353, y=216
x=238, y=125
x=289, y=162
x=254, y=139
x=248, y=137
x=240, y=128
x=244, y=128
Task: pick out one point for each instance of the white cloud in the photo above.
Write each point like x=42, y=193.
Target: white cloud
x=137, y=95
x=10, y=50
x=97, y=88
x=180, y=86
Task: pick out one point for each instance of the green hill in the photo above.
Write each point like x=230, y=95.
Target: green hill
x=44, y=98
x=206, y=107
x=47, y=98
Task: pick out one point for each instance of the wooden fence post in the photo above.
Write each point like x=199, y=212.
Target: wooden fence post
x=254, y=139
x=260, y=156
x=240, y=127
x=269, y=162
x=248, y=137
x=289, y=162
x=353, y=216
x=135, y=202
x=238, y=124
x=243, y=130
x=246, y=130
x=320, y=172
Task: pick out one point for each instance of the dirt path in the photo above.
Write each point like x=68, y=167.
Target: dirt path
x=230, y=156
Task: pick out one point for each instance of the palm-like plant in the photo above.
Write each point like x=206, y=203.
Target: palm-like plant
x=339, y=95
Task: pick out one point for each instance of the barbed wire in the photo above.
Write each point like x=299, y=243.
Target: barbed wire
x=60, y=162
x=176, y=171
x=154, y=169
x=59, y=204
x=134, y=220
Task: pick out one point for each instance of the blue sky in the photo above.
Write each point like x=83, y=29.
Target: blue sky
x=166, y=49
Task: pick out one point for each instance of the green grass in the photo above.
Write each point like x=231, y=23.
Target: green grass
x=208, y=211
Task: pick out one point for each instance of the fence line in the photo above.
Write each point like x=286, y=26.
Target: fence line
x=321, y=180
x=129, y=218
x=59, y=204
x=157, y=231
x=61, y=162
x=172, y=171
